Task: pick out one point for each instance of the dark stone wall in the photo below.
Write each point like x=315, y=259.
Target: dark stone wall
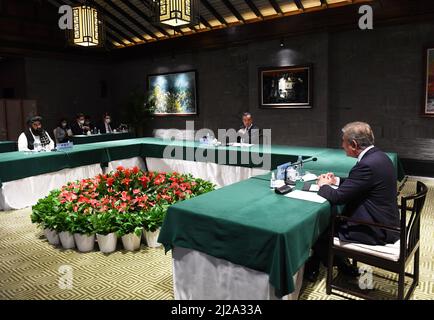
x=62, y=88
x=375, y=76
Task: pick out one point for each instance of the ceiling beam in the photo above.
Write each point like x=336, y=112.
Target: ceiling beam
x=276, y=6
x=115, y=38
x=204, y=22
x=130, y=18
x=214, y=12
x=142, y=15
x=233, y=10
x=254, y=8
x=299, y=4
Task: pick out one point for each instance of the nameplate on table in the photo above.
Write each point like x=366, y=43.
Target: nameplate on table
x=306, y=195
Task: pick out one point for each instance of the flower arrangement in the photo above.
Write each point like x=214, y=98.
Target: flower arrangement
x=123, y=201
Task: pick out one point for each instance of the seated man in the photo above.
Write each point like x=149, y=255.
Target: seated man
x=62, y=133
x=79, y=127
x=106, y=126
x=249, y=133
x=369, y=194
x=35, y=137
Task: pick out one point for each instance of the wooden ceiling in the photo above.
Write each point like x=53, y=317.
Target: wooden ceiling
x=130, y=23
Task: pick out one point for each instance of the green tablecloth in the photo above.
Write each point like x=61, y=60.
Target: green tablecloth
x=8, y=146
x=102, y=137
x=248, y=224
x=18, y=165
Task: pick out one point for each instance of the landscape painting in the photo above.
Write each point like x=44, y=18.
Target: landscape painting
x=173, y=93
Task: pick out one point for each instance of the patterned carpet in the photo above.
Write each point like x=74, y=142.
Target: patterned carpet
x=29, y=266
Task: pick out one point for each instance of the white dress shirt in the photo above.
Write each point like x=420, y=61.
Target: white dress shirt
x=108, y=129
x=23, y=145
x=363, y=153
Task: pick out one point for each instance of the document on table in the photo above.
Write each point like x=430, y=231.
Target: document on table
x=306, y=195
x=309, y=177
x=237, y=144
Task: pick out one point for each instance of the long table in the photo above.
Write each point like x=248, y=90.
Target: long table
x=244, y=223
x=8, y=146
x=19, y=165
x=83, y=139
x=247, y=224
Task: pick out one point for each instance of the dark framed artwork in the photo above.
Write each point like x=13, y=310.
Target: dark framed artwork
x=173, y=94
x=428, y=101
x=285, y=87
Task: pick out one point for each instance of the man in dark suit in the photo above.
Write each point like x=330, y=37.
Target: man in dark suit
x=79, y=127
x=106, y=126
x=369, y=194
x=248, y=132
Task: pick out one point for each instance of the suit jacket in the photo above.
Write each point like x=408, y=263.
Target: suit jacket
x=369, y=194
x=76, y=130
x=254, y=134
x=102, y=128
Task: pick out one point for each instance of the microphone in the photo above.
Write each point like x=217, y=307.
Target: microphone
x=288, y=180
x=303, y=161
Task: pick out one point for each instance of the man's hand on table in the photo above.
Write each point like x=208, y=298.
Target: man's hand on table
x=327, y=178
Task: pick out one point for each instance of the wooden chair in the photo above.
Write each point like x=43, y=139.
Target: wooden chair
x=392, y=257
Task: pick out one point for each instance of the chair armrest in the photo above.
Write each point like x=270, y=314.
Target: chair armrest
x=407, y=209
x=372, y=224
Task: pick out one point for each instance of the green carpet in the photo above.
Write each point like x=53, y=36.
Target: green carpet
x=29, y=266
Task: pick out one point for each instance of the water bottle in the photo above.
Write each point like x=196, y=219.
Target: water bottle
x=300, y=166
x=273, y=181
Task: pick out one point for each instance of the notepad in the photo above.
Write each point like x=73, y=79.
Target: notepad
x=306, y=195
x=309, y=177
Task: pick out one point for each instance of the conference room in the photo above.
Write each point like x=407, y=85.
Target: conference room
x=216, y=150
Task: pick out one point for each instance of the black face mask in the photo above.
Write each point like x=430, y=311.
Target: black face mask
x=37, y=131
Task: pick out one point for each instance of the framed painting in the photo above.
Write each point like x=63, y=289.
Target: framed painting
x=173, y=94
x=428, y=101
x=285, y=87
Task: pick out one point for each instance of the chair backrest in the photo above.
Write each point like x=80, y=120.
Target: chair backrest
x=414, y=204
x=54, y=136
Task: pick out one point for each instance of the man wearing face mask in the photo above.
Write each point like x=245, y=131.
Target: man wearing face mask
x=106, y=126
x=62, y=133
x=35, y=138
x=79, y=127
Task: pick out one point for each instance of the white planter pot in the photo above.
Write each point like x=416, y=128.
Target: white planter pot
x=107, y=243
x=52, y=236
x=131, y=242
x=84, y=242
x=152, y=237
x=67, y=240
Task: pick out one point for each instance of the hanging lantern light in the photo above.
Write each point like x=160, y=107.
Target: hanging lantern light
x=177, y=13
x=87, y=27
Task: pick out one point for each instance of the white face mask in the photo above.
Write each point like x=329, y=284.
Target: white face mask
x=64, y=124
x=81, y=122
x=108, y=120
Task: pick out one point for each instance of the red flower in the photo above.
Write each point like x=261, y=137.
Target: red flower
x=126, y=181
x=144, y=181
x=136, y=170
x=159, y=179
x=110, y=181
x=125, y=196
x=136, y=191
x=120, y=168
